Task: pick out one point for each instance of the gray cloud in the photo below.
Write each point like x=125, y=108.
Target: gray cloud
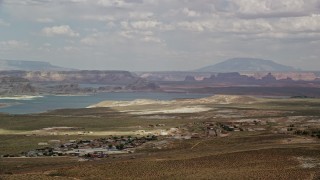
x=273, y=15
x=164, y=34
x=4, y=23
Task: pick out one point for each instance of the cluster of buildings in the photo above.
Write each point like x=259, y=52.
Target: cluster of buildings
x=222, y=129
x=97, y=148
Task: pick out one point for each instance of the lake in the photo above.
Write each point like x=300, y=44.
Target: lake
x=51, y=102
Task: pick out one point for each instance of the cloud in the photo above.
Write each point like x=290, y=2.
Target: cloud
x=91, y=40
x=274, y=8
x=126, y=34
x=44, y=20
x=13, y=44
x=78, y=1
x=145, y=24
x=151, y=39
x=4, y=23
x=190, y=13
x=192, y=26
x=114, y=3
x=70, y=49
x=63, y=30
x=142, y=25
x=99, y=17
x=141, y=15
x=175, y=30
x=300, y=24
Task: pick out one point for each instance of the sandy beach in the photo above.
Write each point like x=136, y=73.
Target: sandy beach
x=23, y=97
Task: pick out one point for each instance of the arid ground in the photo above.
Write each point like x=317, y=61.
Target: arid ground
x=220, y=137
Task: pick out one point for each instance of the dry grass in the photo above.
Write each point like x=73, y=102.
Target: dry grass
x=255, y=156
x=243, y=155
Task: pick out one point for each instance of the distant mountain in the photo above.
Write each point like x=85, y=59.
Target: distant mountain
x=246, y=64
x=7, y=65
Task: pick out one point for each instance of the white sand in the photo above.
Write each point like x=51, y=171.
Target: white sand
x=23, y=97
x=193, y=109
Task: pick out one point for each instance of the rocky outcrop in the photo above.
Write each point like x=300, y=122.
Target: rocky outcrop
x=98, y=77
x=269, y=78
x=15, y=86
x=172, y=75
x=90, y=77
x=190, y=79
x=234, y=78
x=297, y=76
x=142, y=85
x=67, y=89
x=68, y=82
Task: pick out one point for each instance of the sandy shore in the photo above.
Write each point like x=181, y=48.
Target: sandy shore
x=24, y=97
x=189, y=109
x=148, y=107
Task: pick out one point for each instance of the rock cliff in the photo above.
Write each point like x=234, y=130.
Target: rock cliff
x=92, y=77
x=10, y=86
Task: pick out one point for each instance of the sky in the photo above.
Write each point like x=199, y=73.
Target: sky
x=159, y=35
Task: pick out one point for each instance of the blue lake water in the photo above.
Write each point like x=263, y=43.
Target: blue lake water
x=46, y=103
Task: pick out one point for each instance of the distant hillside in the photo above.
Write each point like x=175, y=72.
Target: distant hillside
x=246, y=64
x=7, y=65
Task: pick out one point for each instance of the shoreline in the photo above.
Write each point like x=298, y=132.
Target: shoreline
x=20, y=97
x=37, y=104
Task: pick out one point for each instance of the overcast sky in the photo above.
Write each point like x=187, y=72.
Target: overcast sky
x=160, y=34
